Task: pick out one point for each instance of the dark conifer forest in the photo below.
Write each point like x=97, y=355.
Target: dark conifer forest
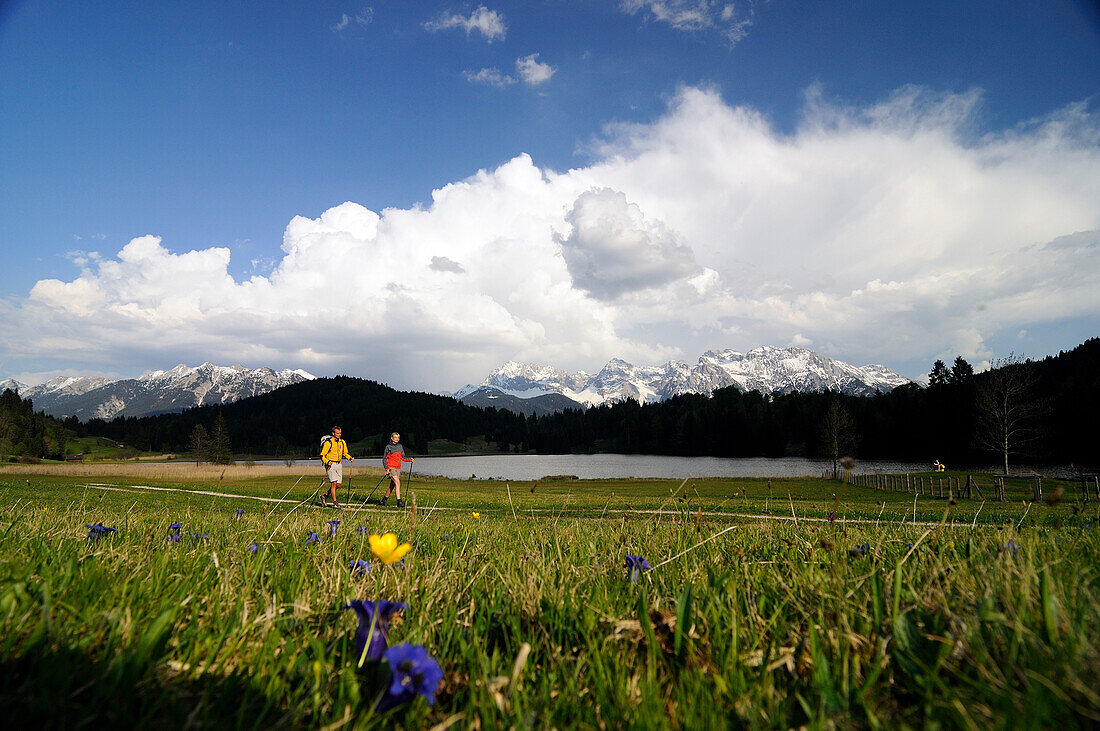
x=1042, y=411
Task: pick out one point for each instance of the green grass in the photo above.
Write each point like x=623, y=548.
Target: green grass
x=770, y=624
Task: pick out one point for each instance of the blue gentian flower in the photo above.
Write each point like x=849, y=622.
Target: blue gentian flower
x=636, y=565
x=175, y=527
x=240, y=512
x=372, y=641
x=254, y=548
x=359, y=567
x=332, y=525
x=860, y=550
x=908, y=546
x=173, y=538
x=831, y=516
x=199, y=536
x=1011, y=546
x=312, y=538
x=362, y=529
x=97, y=531
x=414, y=672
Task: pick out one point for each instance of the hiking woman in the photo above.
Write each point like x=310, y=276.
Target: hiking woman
x=392, y=457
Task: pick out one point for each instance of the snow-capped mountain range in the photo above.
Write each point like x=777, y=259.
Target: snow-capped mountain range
x=154, y=392
x=765, y=369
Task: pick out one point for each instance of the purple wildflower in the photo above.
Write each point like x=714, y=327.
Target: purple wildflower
x=312, y=538
x=240, y=512
x=831, y=516
x=97, y=531
x=1011, y=546
x=362, y=529
x=174, y=533
x=636, y=565
x=359, y=567
x=332, y=525
x=371, y=636
x=254, y=548
x=415, y=672
x=199, y=536
x=859, y=551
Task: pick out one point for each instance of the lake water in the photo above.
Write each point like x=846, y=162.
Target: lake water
x=594, y=466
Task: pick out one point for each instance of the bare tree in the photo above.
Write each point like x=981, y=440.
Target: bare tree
x=1007, y=409
x=838, y=432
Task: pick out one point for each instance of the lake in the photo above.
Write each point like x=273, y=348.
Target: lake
x=595, y=466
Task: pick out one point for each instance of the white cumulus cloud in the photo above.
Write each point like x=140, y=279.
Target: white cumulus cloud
x=613, y=250
x=878, y=234
x=533, y=71
x=361, y=19
x=489, y=77
x=697, y=15
x=489, y=23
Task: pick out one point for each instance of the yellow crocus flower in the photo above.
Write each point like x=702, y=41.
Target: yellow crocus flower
x=477, y=516
x=385, y=548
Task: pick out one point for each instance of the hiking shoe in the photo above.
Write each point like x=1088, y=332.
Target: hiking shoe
x=322, y=500
x=335, y=504
x=383, y=501
x=400, y=503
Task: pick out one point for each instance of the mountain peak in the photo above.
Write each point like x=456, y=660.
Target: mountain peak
x=765, y=368
x=181, y=387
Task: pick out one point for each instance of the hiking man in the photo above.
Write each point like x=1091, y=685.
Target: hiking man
x=333, y=451
x=392, y=457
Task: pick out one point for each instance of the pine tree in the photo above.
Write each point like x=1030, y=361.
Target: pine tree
x=939, y=374
x=961, y=371
x=200, y=444
x=221, y=452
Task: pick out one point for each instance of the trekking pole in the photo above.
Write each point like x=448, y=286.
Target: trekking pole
x=384, y=477
x=347, y=493
x=318, y=491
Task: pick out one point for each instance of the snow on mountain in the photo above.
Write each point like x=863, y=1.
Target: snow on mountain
x=157, y=391
x=524, y=380
x=766, y=369
x=67, y=386
x=13, y=385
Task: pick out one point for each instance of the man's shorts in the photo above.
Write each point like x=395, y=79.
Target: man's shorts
x=336, y=472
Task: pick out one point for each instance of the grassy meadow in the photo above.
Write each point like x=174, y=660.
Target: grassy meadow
x=759, y=610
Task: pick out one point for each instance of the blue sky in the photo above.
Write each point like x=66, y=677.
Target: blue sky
x=881, y=182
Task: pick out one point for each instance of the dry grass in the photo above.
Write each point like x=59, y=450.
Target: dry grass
x=175, y=471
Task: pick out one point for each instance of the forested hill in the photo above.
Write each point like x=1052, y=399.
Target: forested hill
x=1058, y=397
x=27, y=433
x=292, y=420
